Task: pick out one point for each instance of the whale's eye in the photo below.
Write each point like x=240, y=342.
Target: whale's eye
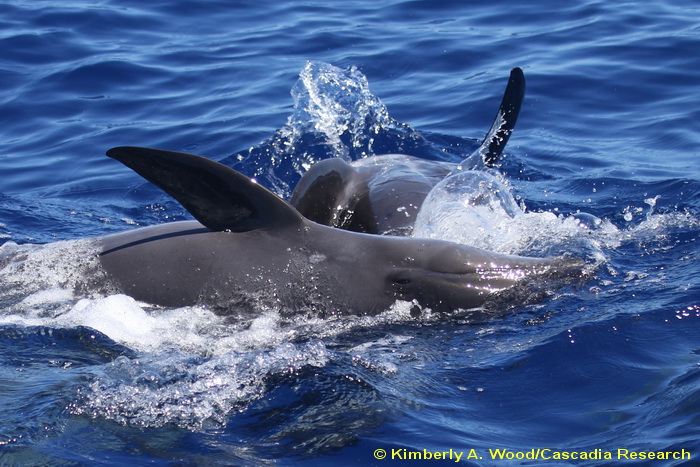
x=401, y=279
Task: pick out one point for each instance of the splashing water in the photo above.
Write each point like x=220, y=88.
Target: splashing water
x=467, y=207
x=192, y=392
x=335, y=115
x=339, y=107
x=477, y=208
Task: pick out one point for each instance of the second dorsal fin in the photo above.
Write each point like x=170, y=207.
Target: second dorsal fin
x=495, y=141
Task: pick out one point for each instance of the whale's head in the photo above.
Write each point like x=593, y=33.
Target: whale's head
x=446, y=277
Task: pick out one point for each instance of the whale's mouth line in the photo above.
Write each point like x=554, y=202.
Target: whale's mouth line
x=142, y=241
x=481, y=278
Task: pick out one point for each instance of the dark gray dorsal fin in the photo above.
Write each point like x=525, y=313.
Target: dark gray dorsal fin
x=497, y=137
x=216, y=195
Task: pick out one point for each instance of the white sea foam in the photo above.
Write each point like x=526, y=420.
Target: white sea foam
x=61, y=264
x=477, y=208
x=173, y=387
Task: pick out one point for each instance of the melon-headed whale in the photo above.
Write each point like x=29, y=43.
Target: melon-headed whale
x=383, y=194
x=248, y=246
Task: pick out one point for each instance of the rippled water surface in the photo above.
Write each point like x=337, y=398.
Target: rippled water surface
x=609, y=128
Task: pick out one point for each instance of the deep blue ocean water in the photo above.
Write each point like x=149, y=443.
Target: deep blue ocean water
x=609, y=126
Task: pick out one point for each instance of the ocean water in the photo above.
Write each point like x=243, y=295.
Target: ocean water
x=609, y=127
